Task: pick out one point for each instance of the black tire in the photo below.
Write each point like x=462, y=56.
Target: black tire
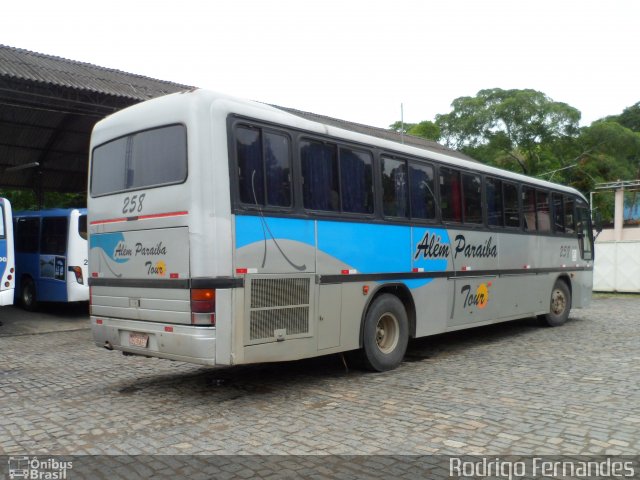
x=385, y=334
x=28, y=296
x=559, y=305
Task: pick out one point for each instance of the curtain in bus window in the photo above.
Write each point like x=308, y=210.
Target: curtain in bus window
x=511, y=205
x=320, y=190
x=558, y=213
x=394, y=188
x=278, y=169
x=529, y=208
x=495, y=212
x=357, y=182
x=250, y=171
x=569, y=221
x=53, y=240
x=472, y=189
x=423, y=204
x=450, y=191
x=543, y=211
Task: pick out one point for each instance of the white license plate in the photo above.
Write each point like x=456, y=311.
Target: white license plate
x=138, y=339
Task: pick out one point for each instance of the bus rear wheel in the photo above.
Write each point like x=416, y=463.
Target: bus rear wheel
x=560, y=305
x=28, y=297
x=386, y=334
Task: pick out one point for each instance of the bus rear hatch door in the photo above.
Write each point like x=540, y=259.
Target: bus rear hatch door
x=141, y=274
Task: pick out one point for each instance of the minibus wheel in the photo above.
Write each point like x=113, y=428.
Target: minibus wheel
x=28, y=297
x=560, y=305
x=385, y=334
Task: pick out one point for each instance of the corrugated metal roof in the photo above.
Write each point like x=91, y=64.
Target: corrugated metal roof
x=36, y=67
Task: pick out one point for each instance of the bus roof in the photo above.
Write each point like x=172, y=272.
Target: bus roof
x=107, y=129
x=49, y=212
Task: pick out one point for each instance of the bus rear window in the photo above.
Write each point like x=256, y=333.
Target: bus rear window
x=2, y=229
x=82, y=226
x=140, y=160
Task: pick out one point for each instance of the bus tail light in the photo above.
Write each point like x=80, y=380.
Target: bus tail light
x=78, y=273
x=203, y=306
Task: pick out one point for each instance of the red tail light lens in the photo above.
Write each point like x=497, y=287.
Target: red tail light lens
x=203, y=300
x=78, y=273
x=203, y=306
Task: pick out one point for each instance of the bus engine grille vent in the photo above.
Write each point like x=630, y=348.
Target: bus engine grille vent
x=278, y=304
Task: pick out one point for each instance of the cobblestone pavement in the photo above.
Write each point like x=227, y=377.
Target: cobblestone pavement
x=513, y=388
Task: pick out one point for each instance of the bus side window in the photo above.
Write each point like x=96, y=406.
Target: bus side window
x=472, y=192
x=27, y=234
x=321, y=188
x=542, y=210
x=395, y=194
x=356, y=175
x=53, y=239
x=450, y=195
x=558, y=212
x=529, y=208
x=264, y=165
x=495, y=210
x=277, y=165
x=423, y=201
x=250, y=169
x=511, y=205
x=569, y=220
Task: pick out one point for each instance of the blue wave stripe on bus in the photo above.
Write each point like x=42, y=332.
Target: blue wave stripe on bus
x=108, y=242
x=254, y=229
x=369, y=248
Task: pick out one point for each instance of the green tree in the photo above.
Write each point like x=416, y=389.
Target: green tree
x=425, y=129
x=630, y=118
x=513, y=129
x=401, y=127
x=25, y=199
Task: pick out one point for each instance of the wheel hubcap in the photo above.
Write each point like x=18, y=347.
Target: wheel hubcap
x=387, y=333
x=558, y=302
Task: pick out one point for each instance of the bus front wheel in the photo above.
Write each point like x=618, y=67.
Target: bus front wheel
x=28, y=295
x=560, y=305
x=386, y=334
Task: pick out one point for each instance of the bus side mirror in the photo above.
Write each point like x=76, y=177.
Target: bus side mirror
x=598, y=223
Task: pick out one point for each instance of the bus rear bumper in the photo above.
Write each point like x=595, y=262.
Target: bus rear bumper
x=184, y=343
x=6, y=297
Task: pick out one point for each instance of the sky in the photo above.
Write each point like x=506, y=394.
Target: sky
x=357, y=60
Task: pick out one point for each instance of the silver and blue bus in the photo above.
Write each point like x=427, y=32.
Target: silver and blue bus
x=51, y=256
x=7, y=259
x=225, y=232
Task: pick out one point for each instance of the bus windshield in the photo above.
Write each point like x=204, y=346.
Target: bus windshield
x=143, y=159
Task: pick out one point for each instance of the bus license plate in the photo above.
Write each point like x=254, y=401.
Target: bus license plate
x=138, y=339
